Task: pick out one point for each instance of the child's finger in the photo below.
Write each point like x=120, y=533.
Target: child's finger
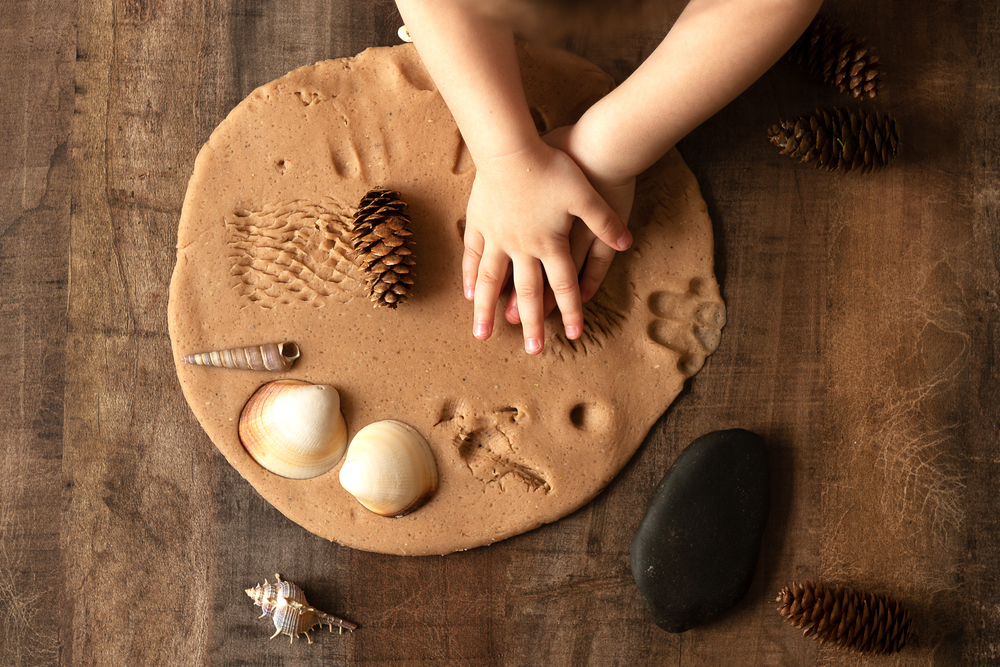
x=470, y=263
x=580, y=241
x=514, y=317
x=489, y=282
x=603, y=221
x=562, y=277
x=529, y=285
x=510, y=312
x=595, y=269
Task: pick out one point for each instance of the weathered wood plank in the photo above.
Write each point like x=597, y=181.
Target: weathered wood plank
x=36, y=66
x=978, y=397
x=137, y=531
x=900, y=340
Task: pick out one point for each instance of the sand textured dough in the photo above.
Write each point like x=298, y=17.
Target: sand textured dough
x=263, y=255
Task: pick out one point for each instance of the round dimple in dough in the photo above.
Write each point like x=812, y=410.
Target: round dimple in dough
x=263, y=256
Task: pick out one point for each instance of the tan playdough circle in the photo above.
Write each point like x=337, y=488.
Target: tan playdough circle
x=263, y=255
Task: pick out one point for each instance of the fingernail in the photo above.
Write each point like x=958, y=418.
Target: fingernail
x=480, y=330
x=625, y=240
x=572, y=332
x=532, y=345
x=470, y=292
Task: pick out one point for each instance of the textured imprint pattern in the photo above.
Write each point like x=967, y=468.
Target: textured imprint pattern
x=486, y=442
x=688, y=321
x=601, y=325
x=293, y=251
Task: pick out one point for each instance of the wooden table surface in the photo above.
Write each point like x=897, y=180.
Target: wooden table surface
x=863, y=343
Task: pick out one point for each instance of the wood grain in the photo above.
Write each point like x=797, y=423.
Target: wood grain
x=36, y=66
x=862, y=343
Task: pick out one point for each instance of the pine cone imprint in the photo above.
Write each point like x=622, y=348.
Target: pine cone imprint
x=847, y=618
x=828, y=51
x=841, y=139
x=380, y=232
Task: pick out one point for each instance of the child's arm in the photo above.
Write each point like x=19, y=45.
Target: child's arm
x=714, y=51
x=526, y=193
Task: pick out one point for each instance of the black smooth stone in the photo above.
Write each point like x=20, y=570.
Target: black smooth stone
x=695, y=552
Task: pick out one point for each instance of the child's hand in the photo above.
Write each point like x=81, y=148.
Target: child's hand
x=519, y=219
x=588, y=252
x=523, y=203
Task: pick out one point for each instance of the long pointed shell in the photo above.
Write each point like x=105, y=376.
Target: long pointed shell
x=286, y=605
x=266, y=357
x=294, y=428
x=389, y=468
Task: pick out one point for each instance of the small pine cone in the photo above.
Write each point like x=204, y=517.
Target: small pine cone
x=828, y=51
x=841, y=139
x=845, y=617
x=380, y=231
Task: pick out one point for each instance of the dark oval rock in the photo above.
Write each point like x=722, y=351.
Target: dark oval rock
x=695, y=552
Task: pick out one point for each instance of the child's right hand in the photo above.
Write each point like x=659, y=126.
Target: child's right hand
x=519, y=218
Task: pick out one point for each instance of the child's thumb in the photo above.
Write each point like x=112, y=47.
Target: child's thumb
x=605, y=224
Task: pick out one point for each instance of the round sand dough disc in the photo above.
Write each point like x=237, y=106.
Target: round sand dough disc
x=263, y=255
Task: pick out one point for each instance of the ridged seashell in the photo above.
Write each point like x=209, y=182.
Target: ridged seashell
x=389, y=468
x=291, y=614
x=266, y=357
x=294, y=428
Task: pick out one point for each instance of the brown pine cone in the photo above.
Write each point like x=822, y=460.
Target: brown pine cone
x=380, y=232
x=845, y=617
x=828, y=51
x=841, y=139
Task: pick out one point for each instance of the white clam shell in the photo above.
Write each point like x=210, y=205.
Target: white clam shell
x=389, y=468
x=294, y=429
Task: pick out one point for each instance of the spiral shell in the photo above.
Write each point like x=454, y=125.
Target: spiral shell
x=389, y=468
x=266, y=357
x=294, y=428
x=291, y=614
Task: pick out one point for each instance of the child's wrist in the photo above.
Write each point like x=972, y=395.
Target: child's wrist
x=603, y=146
x=504, y=157
x=505, y=148
x=599, y=157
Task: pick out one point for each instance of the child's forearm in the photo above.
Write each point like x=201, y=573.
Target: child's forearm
x=714, y=51
x=473, y=61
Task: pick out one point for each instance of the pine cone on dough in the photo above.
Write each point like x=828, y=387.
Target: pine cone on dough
x=380, y=231
x=839, y=139
x=847, y=618
x=828, y=51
